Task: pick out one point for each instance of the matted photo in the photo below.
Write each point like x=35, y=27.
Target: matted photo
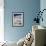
x=18, y=19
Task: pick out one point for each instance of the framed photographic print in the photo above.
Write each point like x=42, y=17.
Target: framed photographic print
x=17, y=19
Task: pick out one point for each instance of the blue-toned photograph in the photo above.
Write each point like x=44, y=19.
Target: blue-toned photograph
x=18, y=18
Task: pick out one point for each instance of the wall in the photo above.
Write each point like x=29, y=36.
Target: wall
x=29, y=7
x=43, y=6
x=1, y=20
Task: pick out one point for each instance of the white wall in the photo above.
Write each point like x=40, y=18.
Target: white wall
x=1, y=20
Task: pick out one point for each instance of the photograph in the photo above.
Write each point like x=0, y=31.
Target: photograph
x=18, y=19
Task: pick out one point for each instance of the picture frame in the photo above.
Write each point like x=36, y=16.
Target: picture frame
x=17, y=19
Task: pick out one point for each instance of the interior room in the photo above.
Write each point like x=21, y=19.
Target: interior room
x=22, y=23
